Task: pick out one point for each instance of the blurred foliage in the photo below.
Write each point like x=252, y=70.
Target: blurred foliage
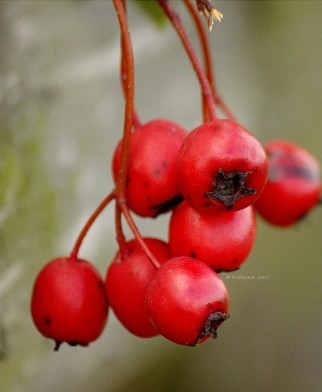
x=27, y=203
x=153, y=11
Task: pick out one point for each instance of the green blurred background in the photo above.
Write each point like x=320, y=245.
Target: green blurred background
x=61, y=114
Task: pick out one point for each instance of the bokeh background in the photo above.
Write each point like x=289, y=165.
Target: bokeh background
x=61, y=114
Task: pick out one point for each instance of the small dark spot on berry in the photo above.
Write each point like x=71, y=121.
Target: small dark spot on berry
x=157, y=172
x=167, y=205
x=193, y=255
x=100, y=284
x=47, y=320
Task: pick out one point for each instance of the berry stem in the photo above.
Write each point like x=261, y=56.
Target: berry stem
x=127, y=79
x=129, y=100
x=138, y=236
x=208, y=63
x=120, y=238
x=88, y=224
x=207, y=95
x=127, y=66
x=123, y=75
x=205, y=50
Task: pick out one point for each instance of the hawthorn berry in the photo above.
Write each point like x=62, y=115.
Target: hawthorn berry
x=293, y=186
x=221, y=166
x=69, y=302
x=127, y=278
x=187, y=301
x=152, y=184
x=223, y=241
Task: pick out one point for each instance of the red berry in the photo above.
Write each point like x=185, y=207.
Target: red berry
x=223, y=241
x=152, y=185
x=69, y=303
x=293, y=186
x=126, y=281
x=187, y=301
x=221, y=166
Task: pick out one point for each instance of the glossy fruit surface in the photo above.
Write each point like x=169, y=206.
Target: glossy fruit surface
x=293, y=187
x=223, y=241
x=152, y=185
x=69, y=303
x=126, y=281
x=187, y=301
x=221, y=166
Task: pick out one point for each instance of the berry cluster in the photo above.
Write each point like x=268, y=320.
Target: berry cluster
x=213, y=180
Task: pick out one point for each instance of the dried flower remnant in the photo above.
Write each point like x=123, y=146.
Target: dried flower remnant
x=209, y=12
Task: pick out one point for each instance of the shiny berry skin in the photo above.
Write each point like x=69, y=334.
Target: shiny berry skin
x=221, y=166
x=152, y=185
x=187, y=301
x=126, y=281
x=293, y=186
x=69, y=302
x=223, y=241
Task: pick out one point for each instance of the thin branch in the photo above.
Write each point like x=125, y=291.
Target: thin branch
x=208, y=64
x=89, y=223
x=204, y=83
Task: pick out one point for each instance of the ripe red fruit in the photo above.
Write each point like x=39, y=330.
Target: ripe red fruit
x=221, y=166
x=187, y=301
x=126, y=281
x=293, y=186
x=152, y=185
x=68, y=302
x=223, y=241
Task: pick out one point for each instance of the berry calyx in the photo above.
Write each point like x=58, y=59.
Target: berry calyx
x=293, y=186
x=152, y=184
x=68, y=302
x=223, y=241
x=187, y=301
x=221, y=166
x=211, y=325
x=127, y=278
x=230, y=187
